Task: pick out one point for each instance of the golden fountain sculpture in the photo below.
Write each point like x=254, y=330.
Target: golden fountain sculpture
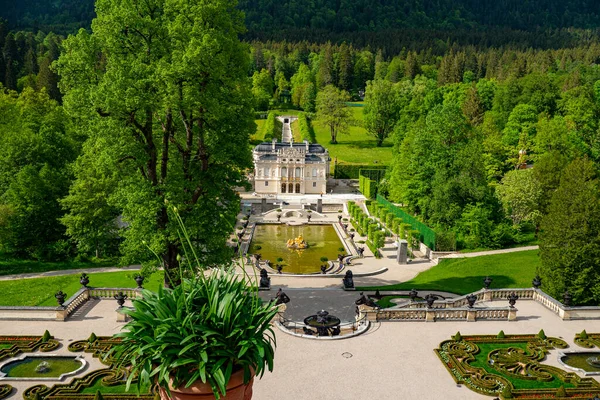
x=297, y=243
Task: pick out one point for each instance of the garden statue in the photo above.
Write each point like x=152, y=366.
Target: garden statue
x=278, y=217
x=340, y=218
x=363, y=300
x=471, y=299
x=348, y=280
x=536, y=282
x=413, y=294
x=308, y=216
x=43, y=367
x=84, y=280
x=487, y=282
x=257, y=257
x=279, y=267
x=60, y=297
x=512, y=299
x=323, y=268
x=120, y=297
x=281, y=297
x=361, y=250
x=567, y=298
x=139, y=280
x=297, y=243
x=345, y=227
x=352, y=236
x=265, y=281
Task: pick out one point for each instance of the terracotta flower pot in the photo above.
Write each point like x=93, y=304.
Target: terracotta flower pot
x=236, y=390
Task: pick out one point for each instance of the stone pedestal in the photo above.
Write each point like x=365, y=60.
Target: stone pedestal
x=471, y=314
x=402, y=253
x=120, y=316
x=487, y=295
x=61, y=314
x=512, y=314
x=319, y=205
x=430, y=315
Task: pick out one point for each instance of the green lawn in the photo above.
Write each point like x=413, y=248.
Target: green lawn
x=258, y=135
x=466, y=275
x=40, y=291
x=356, y=147
x=9, y=267
x=295, y=127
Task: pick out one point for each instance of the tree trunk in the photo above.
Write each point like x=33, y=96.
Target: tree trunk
x=171, y=266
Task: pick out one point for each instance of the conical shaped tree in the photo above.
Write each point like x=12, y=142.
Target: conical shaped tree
x=570, y=236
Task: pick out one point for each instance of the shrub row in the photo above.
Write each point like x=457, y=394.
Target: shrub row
x=306, y=130
x=272, y=128
x=352, y=171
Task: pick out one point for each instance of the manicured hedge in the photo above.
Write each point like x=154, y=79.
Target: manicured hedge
x=352, y=171
x=272, y=128
x=306, y=129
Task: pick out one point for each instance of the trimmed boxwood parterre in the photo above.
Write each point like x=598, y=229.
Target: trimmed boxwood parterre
x=5, y=391
x=510, y=366
x=12, y=346
x=109, y=381
x=587, y=340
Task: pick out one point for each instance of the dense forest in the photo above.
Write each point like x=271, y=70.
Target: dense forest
x=364, y=22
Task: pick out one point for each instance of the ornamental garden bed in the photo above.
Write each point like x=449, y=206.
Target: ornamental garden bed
x=109, y=382
x=511, y=366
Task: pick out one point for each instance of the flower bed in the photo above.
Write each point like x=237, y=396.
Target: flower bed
x=14, y=345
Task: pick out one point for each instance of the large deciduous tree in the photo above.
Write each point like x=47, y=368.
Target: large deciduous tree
x=520, y=194
x=570, y=236
x=162, y=84
x=382, y=109
x=333, y=112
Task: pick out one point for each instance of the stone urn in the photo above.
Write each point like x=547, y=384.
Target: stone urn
x=84, y=279
x=60, y=297
x=120, y=297
x=140, y=281
x=236, y=390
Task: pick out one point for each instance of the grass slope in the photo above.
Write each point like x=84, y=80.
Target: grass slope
x=466, y=275
x=40, y=291
x=9, y=267
x=356, y=147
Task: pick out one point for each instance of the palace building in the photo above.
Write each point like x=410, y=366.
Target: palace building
x=290, y=168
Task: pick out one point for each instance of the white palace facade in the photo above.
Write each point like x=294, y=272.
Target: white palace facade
x=290, y=168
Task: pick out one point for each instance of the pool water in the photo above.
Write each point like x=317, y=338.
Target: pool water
x=323, y=241
x=26, y=368
x=580, y=360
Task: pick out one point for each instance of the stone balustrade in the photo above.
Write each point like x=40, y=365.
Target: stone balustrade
x=439, y=314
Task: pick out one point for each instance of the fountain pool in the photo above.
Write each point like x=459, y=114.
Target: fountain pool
x=270, y=240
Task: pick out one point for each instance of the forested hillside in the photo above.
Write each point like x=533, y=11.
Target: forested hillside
x=288, y=18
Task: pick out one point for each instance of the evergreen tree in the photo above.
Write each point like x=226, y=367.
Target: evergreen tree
x=48, y=79
x=570, y=236
x=345, y=76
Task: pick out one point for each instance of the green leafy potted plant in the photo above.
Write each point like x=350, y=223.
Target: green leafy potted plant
x=206, y=338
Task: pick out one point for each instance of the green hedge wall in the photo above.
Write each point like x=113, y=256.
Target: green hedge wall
x=272, y=128
x=426, y=234
x=352, y=171
x=306, y=130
